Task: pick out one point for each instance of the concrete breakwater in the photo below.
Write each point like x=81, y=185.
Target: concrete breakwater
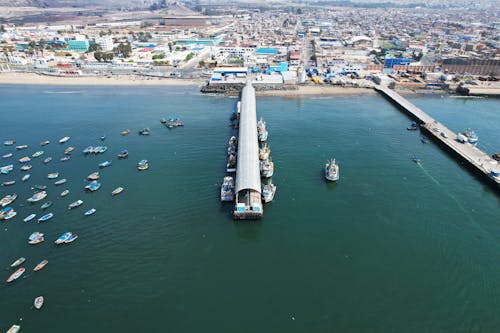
x=236, y=88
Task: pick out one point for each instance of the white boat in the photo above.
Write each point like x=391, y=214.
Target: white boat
x=9, y=215
x=29, y=217
x=64, y=193
x=53, y=175
x=64, y=139
x=117, y=190
x=8, y=199
x=47, y=160
x=9, y=142
x=38, y=303
x=18, y=262
x=60, y=181
x=44, y=143
x=38, y=196
x=267, y=168
x=26, y=167
x=7, y=155
x=14, y=329
x=63, y=238
x=16, y=275
x=332, y=170
x=268, y=191
x=90, y=212
x=227, y=189
x=21, y=147
x=26, y=177
x=41, y=265
x=75, y=204
x=46, y=217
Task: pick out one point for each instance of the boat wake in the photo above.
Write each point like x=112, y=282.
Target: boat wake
x=64, y=92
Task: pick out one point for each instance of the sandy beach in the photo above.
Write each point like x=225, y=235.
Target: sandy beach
x=316, y=91
x=121, y=80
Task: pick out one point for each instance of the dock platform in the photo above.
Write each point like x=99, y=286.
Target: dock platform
x=477, y=160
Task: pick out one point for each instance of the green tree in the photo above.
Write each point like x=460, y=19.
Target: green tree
x=41, y=44
x=108, y=56
x=170, y=46
x=94, y=47
x=98, y=55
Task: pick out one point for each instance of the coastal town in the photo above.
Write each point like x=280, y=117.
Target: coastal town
x=408, y=48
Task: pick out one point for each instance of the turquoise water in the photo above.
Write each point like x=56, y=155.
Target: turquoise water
x=393, y=247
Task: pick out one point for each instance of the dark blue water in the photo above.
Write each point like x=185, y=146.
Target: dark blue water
x=393, y=247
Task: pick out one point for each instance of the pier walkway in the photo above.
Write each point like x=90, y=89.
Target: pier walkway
x=476, y=159
x=248, y=185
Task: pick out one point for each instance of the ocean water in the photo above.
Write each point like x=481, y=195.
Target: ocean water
x=392, y=247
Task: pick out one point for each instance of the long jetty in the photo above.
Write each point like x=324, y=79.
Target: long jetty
x=248, y=185
x=477, y=160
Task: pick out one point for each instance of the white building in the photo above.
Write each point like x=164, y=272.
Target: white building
x=106, y=42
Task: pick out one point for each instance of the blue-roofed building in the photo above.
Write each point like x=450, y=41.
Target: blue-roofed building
x=390, y=62
x=78, y=45
x=266, y=51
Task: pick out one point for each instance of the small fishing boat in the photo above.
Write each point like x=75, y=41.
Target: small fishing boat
x=37, y=154
x=143, y=165
x=14, y=329
x=38, y=303
x=69, y=150
x=7, y=155
x=412, y=127
x=231, y=163
x=227, y=189
x=24, y=159
x=75, y=204
x=26, y=177
x=18, y=262
x=90, y=212
x=117, y=190
x=332, y=170
x=44, y=143
x=145, y=131
x=268, y=191
x=29, y=217
x=103, y=137
x=47, y=160
x=9, y=183
x=16, y=275
x=26, y=167
x=104, y=164
x=102, y=149
x=125, y=132
x=46, y=205
x=64, y=139
x=65, y=158
x=53, y=175
x=93, y=176
x=8, y=199
x=21, y=147
x=36, y=238
x=123, y=154
x=63, y=237
x=9, y=142
x=40, y=187
x=64, y=193
x=41, y=265
x=93, y=186
x=264, y=152
x=6, y=169
x=267, y=168
x=9, y=215
x=46, y=217
x=60, y=182
x=71, y=239
x=163, y=120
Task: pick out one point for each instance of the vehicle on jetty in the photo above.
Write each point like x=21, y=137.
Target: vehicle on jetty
x=267, y=168
x=227, y=189
x=75, y=204
x=471, y=136
x=64, y=139
x=35, y=238
x=37, y=196
x=117, y=191
x=462, y=138
x=496, y=157
x=332, y=172
x=268, y=191
x=16, y=275
x=143, y=165
x=444, y=135
x=46, y=217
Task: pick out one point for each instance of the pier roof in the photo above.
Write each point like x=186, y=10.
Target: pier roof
x=248, y=173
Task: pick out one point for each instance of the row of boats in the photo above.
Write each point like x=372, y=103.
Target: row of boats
x=172, y=122
x=43, y=143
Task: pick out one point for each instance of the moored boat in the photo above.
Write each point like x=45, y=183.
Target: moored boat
x=46, y=217
x=44, y=143
x=65, y=158
x=143, y=165
x=93, y=186
x=9, y=142
x=21, y=147
x=29, y=217
x=117, y=190
x=90, y=212
x=71, y=238
x=471, y=136
x=264, y=152
x=9, y=215
x=9, y=183
x=8, y=199
x=103, y=137
x=104, y=164
x=261, y=130
x=7, y=155
x=26, y=167
x=267, y=168
x=268, y=191
x=75, y=204
x=25, y=177
x=332, y=170
x=24, y=159
x=38, y=303
x=145, y=131
x=41, y=265
x=123, y=154
x=60, y=182
x=14, y=329
x=63, y=238
x=36, y=238
x=18, y=262
x=93, y=176
x=6, y=169
x=125, y=132
x=46, y=205
x=40, y=187
x=64, y=193
x=69, y=150
x=227, y=189
x=37, y=154
x=64, y=139
x=16, y=275
x=53, y=175
x=47, y=160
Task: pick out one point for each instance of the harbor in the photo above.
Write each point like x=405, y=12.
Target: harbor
x=477, y=160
